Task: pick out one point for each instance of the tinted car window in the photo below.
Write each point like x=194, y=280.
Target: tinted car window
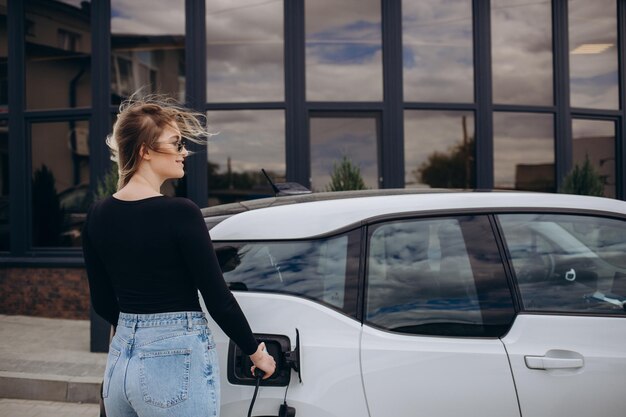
x=423, y=278
x=323, y=270
x=567, y=262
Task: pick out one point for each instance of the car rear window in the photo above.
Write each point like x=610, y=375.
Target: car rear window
x=323, y=270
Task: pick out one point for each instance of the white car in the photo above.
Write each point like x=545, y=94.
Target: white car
x=400, y=303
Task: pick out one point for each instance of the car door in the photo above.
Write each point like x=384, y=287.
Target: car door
x=568, y=347
x=305, y=291
x=436, y=302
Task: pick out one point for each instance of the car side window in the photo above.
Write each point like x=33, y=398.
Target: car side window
x=423, y=278
x=568, y=263
x=323, y=270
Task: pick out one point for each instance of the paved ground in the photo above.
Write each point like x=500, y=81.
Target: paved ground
x=46, y=369
x=31, y=408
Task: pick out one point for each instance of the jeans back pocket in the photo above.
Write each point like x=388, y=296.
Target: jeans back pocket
x=164, y=376
x=112, y=358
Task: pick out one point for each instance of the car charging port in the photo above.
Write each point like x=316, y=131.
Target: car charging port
x=239, y=363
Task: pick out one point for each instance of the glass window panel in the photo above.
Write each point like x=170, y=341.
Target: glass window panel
x=438, y=277
x=593, y=139
x=568, y=263
x=521, y=42
x=343, y=50
x=348, y=142
x=593, y=54
x=147, y=48
x=439, y=149
x=58, y=54
x=437, y=51
x=310, y=269
x=4, y=56
x=245, y=44
x=4, y=186
x=523, y=151
x=60, y=182
x=246, y=141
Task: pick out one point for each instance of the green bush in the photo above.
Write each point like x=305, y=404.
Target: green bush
x=583, y=180
x=345, y=176
x=108, y=185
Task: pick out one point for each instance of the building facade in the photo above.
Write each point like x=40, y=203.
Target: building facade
x=505, y=94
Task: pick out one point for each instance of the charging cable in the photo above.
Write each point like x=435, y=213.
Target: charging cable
x=259, y=375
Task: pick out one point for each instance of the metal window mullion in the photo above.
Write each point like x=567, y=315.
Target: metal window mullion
x=196, y=94
x=620, y=129
x=481, y=12
x=100, y=122
x=297, y=141
x=391, y=144
x=19, y=208
x=561, y=75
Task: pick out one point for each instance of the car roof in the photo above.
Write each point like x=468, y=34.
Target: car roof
x=278, y=221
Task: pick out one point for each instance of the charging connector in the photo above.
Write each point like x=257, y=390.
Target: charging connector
x=259, y=374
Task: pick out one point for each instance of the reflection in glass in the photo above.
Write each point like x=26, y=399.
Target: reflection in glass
x=333, y=138
x=595, y=139
x=438, y=54
x=419, y=274
x=311, y=269
x=60, y=182
x=147, y=48
x=439, y=149
x=245, y=44
x=58, y=54
x=568, y=263
x=246, y=141
x=521, y=42
x=593, y=54
x=4, y=186
x=343, y=50
x=523, y=151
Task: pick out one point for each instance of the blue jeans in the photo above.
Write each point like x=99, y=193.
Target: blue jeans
x=162, y=365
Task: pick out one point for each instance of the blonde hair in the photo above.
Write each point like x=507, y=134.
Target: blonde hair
x=141, y=121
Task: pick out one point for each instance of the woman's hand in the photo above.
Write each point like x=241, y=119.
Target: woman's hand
x=263, y=360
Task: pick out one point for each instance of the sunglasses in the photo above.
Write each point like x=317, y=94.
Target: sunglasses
x=179, y=144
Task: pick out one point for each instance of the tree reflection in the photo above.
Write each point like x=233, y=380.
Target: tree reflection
x=451, y=169
x=48, y=216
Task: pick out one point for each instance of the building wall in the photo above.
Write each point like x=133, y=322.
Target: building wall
x=475, y=93
x=45, y=292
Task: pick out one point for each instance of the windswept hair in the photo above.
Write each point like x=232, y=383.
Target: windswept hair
x=141, y=121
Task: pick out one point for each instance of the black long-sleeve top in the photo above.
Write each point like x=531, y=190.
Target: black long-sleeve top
x=152, y=256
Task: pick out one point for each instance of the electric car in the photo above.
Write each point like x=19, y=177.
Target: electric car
x=403, y=303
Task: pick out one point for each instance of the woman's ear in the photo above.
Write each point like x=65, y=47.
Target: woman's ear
x=144, y=153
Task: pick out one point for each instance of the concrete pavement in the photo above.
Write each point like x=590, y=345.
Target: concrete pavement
x=31, y=408
x=46, y=368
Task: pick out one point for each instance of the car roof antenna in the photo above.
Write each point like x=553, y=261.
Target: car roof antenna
x=276, y=190
x=285, y=188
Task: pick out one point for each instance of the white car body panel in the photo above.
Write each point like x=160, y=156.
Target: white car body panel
x=329, y=345
x=409, y=375
x=598, y=388
x=320, y=217
x=354, y=370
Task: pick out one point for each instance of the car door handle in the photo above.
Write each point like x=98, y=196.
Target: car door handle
x=545, y=362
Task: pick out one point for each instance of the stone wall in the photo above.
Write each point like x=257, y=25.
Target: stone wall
x=44, y=292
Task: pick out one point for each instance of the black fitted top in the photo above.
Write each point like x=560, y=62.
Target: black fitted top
x=152, y=256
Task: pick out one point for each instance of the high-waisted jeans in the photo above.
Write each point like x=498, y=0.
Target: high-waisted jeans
x=162, y=365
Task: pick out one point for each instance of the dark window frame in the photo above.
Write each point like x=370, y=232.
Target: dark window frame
x=295, y=106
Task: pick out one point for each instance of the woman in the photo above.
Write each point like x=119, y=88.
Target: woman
x=147, y=255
